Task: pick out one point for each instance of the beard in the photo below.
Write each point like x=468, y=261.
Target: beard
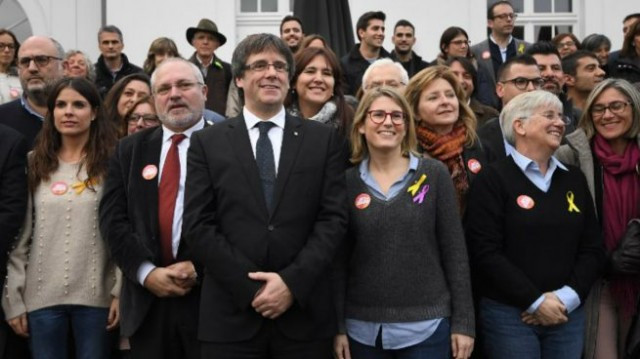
x=403, y=52
x=37, y=94
x=181, y=121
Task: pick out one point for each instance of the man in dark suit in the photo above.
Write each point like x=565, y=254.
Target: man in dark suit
x=264, y=213
x=13, y=206
x=141, y=219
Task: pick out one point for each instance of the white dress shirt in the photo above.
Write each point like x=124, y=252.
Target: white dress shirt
x=275, y=133
x=146, y=267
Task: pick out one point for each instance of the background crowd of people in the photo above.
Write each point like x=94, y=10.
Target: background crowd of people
x=293, y=204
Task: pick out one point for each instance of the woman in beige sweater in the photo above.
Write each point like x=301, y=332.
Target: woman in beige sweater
x=60, y=275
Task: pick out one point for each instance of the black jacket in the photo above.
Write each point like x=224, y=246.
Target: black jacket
x=626, y=68
x=353, y=67
x=413, y=66
x=104, y=79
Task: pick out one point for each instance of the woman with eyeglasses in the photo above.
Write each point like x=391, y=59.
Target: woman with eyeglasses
x=140, y=116
x=402, y=278
x=446, y=126
x=566, y=43
x=124, y=94
x=10, y=87
x=606, y=147
x=60, y=276
x=534, y=240
x=627, y=65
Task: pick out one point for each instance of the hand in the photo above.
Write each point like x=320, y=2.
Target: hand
x=162, y=282
x=341, y=347
x=20, y=325
x=551, y=312
x=461, y=346
x=274, y=297
x=189, y=270
x=114, y=314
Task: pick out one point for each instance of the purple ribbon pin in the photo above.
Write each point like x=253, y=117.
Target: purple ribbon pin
x=420, y=196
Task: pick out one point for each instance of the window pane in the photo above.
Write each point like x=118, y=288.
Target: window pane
x=563, y=29
x=248, y=5
x=542, y=33
x=269, y=6
x=542, y=6
x=563, y=6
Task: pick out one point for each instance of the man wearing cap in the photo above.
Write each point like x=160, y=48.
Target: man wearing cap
x=217, y=73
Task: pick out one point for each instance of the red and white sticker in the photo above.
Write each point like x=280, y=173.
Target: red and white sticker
x=474, y=166
x=362, y=201
x=525, y=202
x=149, y=172
x=486, y=55
x=59, y=188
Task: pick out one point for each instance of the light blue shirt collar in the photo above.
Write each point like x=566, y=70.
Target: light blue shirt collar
x=531, y=169
x=25, y=104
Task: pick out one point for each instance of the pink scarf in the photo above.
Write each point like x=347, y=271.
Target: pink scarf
x=621, y=195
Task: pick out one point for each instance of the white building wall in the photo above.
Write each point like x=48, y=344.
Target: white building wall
x=75, y=22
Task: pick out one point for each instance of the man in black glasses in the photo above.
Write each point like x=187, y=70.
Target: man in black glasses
x=500, y=46
x=517, y=75
x=39, y=65
x=265, y=211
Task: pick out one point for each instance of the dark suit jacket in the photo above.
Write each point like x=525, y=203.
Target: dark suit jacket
x=129, y=221
x=13, y=190
x=230, y=230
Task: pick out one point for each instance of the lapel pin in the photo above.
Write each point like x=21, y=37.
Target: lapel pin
x=149, y=172
x=295, y=133
x=59, y=188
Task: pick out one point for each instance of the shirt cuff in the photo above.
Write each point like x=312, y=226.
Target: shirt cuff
x=533, y=307
x=568, y=297
x=143, y=271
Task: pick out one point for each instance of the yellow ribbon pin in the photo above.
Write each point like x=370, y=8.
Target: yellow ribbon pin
x=414, y=188
x=572, y=206
x=79, y=187
x=521, y=49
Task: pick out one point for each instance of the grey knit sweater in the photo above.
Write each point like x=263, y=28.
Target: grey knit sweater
x=405, y=259
x=60, y=257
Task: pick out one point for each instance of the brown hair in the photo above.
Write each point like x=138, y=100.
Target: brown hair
x=124, y=127
x=359, y=150
x=426, y=77
x=102, y=138
x=344, y=112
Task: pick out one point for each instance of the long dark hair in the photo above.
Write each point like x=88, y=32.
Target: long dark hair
x=344, y=112
x=113, y=96
x=102, y=137
x=628, y=47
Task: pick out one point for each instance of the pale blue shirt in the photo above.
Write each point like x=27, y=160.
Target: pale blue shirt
x=531, y=170
x=394, y=335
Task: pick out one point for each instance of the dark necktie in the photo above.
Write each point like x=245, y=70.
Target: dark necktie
x=167, y=194
x=266, y=164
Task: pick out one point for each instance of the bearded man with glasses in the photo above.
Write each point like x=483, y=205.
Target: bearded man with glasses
x=39, y=65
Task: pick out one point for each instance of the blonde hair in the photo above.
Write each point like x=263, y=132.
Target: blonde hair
x=420, y=81
x=359, y=150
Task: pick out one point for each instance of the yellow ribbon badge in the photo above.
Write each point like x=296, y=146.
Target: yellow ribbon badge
x=414, y=188
x=79, y=187
x=521, y=49
x=572, y=206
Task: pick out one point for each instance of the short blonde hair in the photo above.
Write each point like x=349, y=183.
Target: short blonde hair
x=628, y=91
x=359, y=150
x=420, y=81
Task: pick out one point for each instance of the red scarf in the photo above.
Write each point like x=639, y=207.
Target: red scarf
x=448, y=149
x=621, y=194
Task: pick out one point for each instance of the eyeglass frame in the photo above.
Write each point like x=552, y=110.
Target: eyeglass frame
x=513, y=16
x=566, y=120
x=147, y=121
x=540, y=80
x=388, y=114
x=4, y=45
x=460, y=42
x=595, y=112
x=38, y=60
x=284, y=67
x=562, y=45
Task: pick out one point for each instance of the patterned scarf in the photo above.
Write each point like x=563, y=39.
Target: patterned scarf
x=325, y=115
x=621, y=194
x=448, y=149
